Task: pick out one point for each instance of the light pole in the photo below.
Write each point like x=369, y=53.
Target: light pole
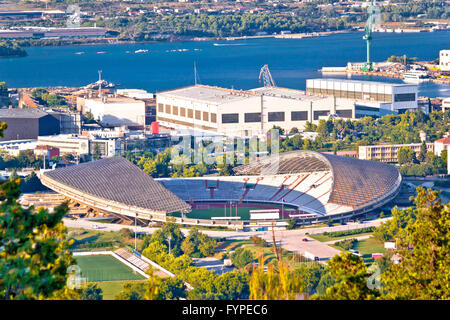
x=135, y=241
x=169, y=237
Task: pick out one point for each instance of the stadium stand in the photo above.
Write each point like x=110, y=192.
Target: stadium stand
x=311, y=183
x=114, y=185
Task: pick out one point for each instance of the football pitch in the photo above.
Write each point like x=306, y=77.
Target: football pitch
x=105, y=268
x=209, y=210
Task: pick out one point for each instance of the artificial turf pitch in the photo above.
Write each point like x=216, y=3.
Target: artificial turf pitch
x=105, y=268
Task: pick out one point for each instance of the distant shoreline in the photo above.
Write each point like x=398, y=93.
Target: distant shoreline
x=114, y=41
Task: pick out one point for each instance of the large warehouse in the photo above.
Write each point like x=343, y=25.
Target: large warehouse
x=314, y=186
x=254, y=112
x=238, y=113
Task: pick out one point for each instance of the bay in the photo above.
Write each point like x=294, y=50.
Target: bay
x=227, y=64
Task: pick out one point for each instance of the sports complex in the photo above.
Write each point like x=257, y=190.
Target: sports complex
x=306, y=185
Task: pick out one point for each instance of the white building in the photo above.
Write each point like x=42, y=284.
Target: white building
x=238, y=113
x=444, y=60
x=14, y=147
x=107, y=147
x=388, y=97
x=66, y=143
x=445, y=104
x=135, y=93
x=116, y=111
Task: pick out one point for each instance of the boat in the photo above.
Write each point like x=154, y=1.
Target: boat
x=415, y=76
x=81, y=52
x=104, y=84
x=101, y=52
x=141, y=51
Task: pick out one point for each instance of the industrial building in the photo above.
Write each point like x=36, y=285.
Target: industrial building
x=254, y=112
x=41, y=32
x=116, y=111
x=28, y=124
x=379, y=97
x=238, y=113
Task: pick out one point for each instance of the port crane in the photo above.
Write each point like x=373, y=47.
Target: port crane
x=368, y=66
x=264, y=73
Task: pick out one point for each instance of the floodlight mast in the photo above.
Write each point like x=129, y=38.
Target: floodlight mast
x=368, y=66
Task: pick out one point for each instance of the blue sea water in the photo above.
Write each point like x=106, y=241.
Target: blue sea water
x=222, y=63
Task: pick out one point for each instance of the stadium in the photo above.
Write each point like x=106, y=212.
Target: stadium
x=306, y=185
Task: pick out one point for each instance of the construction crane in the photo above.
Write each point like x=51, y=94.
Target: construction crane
x=368, y=66
x=264, y=73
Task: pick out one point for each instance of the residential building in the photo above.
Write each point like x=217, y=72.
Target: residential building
x=441, y=145
x=444, y=60
x=388, y=153
x=67, y=144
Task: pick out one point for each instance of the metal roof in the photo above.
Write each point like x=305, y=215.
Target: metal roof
x=208, y=94
x=30, y=113
x=355, y=182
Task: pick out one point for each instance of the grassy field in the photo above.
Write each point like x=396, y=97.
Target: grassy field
x=324, y=238
x=105, y=268
x=111, y=288
x=366, y=247
x=208, y=213
x=87, y=240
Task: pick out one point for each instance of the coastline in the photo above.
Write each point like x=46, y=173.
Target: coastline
x=115, y=41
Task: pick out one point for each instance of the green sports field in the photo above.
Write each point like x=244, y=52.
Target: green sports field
x=105, y=268
x=219, y=210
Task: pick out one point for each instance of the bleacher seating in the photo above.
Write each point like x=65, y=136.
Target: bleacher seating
x=310, y=190
x=134, y=260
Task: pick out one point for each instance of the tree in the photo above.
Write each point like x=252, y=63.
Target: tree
x=91, y=292
x=280, y=284
x=423, y=152
x=424, y=248
x=135, y=290
x=350, y=276
x=241, y=257
x=35, y=253
x=97, y=154
x=170, y=288
x=405, y=155
x=292, y=222
x=172, y=231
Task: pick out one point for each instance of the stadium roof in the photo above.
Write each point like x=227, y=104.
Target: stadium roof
x=356, y=182
x=117, y=179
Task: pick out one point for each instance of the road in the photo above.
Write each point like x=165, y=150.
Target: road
x=289, y=239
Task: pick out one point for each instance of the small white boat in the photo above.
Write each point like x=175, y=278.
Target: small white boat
x=141, y=51
x=415, y=76
x=81, y=52
x=101, y=52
